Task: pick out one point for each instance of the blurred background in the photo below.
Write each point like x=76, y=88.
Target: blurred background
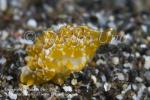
x=41, y=14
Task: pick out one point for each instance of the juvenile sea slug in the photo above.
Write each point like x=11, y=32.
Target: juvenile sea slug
x=54, y=56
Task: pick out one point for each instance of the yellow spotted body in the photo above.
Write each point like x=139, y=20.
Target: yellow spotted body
x=54, y=56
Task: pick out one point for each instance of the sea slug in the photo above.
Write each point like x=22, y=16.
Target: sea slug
x=55, y=55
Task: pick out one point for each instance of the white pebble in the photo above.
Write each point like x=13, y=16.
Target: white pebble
x=92, y=26
x=4, y=35
x=149, y=89
x=112, y=24
x=119, y=97
x=126, y=89
x=70, y=96
x=137, y=54
x=143, y=46
x=114, y=41
x=115, y=60
x=107, y=86
x=134, y=97
x=74, y=81
x=58, y=26
x=120, y=76
x=35, y=88
x=147, y=62
x=126, y=54
x=98, y=84
x=103, y=77
x=3, y=60
x=32, y=23
x=111, y=18
x=24, y=41
x=141, y=91
x=16, y=17
x=148, y=38
x=9, y=78
x=96, y=71
x=3, y=5
x=127, y=65
x=127, y=38
x=139, y=79
x=25, y=90
x=12, y=95
x=67, y=88
x=94, y=79
x=125, y=70
x=100, y=61
x=102, y=19
x=144, y=28
x=134, y=86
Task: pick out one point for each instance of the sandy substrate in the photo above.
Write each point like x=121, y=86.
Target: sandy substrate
x=120, y=70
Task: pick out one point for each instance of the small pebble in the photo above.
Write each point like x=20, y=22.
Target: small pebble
x=119, y=97
x=4, y=35
x=127, y=38
x=141, y=91
x=98, y=84
x=147, y=75
x=24, y=41
x=96, y=71
x=12, y=95
x=111, y=18
x=148, y=89
x=147, y=62
x=137, y=54
x=126, y=89
x=127, y=65
x=114, y=41
x=67, y=88
x=124, y=86
x=9, y=78
x=25, y=90
x=107, y=86
x=35, y=88
x=92, y=26
x=94, y=79
x=134, y=97
x=139, y=79
x=3, y=60
x=103, y=77
x=74, y=81
x=115, y=60
x=3, y=5
x=148, y=38
x=32, y=23
x=144, y=28
x=143, y=46
x=58, y=26
x=126, y=54
x=134, y=86
x=70, y=96
x=100, y=61
x=120, y=76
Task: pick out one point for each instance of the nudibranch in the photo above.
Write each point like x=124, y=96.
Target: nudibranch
x=55, y=55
